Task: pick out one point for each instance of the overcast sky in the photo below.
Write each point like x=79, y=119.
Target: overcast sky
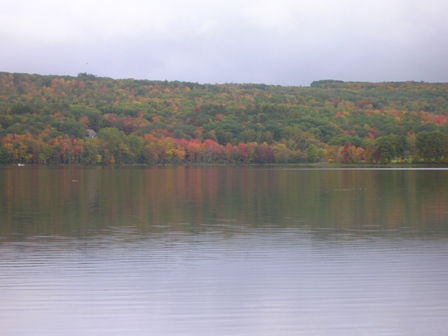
x=284, y=42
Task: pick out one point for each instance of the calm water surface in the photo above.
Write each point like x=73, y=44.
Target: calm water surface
x=223, y=251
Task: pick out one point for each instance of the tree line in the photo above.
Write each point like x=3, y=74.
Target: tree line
x=51, y=119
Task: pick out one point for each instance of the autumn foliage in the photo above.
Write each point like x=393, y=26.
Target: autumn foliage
x=92, y=120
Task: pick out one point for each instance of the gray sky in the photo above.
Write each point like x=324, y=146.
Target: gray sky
x=284, y=42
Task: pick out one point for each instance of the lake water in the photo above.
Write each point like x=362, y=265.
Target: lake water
x=223, y=251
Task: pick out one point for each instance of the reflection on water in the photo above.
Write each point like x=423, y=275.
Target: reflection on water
x=223, y=251
x=80, y=202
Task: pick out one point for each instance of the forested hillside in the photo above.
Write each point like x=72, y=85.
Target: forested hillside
x=92, y=120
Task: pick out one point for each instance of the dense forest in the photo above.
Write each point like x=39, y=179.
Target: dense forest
x=94, y=120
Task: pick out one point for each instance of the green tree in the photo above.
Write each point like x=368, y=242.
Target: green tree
x=432, y=146
x=387, y=148
x=135, y=145
x=113, y=145
x=312, y=153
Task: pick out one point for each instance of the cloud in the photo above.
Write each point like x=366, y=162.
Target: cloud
x=275, y=42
